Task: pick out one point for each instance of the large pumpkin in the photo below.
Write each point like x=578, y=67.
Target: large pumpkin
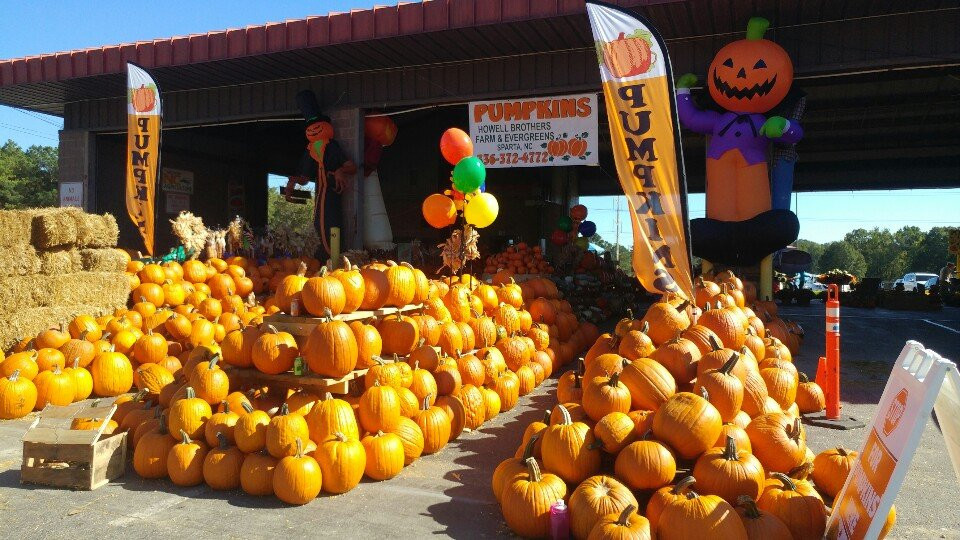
x=796, y=503
x=18, y=396
x=569, y=450
x=400, y=334
x=274, y=352
x=526, y=501
x=650, y=384
x=593, y=499
x=331, y=349
x=688, y=423
x=645, y=465
x=112, y=374
x=323, y=292
x=681, y=513
x=729, y=473
x=779, y=441
x=353, y=286
x=341, y=461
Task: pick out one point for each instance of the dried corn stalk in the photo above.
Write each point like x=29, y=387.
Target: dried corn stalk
x=460, y=248
x=191, y=232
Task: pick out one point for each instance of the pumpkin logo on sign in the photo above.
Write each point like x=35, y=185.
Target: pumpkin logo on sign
x=144, y=99
x=895, y=412
x=561, y=148
x=627, y=56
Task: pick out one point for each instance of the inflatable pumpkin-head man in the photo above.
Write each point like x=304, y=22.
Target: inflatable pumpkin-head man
x=747, y=78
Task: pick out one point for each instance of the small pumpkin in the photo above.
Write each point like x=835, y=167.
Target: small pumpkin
x=185, y=461
x=18, y=396
x=760, y=525
x=250, y=431
x=645, y=465
x=55, y=388
x=330, y=416
x=568, y=449
x=274, y=352
x=729, y=473
x=627, y=524
x=297, y=478
x=796, y=504
x=222, y=465
x=189, y=415
x=342, y=461
x=595, y=498
x=527, y=500
x=810, y=397
x=831, y=468
x=385, y=455
x=256, y=473
x=283, y=432
x=150, y=456
x=688, y=423
x=778, y=440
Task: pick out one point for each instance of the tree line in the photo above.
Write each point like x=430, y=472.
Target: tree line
x=880, y=253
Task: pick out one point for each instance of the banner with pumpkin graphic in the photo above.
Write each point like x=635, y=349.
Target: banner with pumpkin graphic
x=645, y=135
x=143, y=150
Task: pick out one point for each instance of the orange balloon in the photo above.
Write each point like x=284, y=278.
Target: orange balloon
x=455, y=145
x=439, y=211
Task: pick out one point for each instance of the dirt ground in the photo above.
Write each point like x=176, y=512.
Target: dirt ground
x=448, y=493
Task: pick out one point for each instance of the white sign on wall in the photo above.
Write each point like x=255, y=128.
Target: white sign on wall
x=553, y=131
x=176, y=181
x=71, y=194
x=177, y=202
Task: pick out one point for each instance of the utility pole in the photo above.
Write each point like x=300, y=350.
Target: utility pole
x=616, y=221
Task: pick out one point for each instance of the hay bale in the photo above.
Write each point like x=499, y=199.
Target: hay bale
x=17, y=325
x=96, y=288
x=102, y=260
x=59, y=261
x=19, y=260
x=93, y=288
x=97, y=231
x=56, y=227
x=15, y=227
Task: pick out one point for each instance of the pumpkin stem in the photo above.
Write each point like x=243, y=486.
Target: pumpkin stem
x=222, y=438
x=788, y=484
x=728, y=366
x=730, y=452
x=840, y=450
x=247, y=407
x=299, y=448
x=756, y=27
x=576, y=380
x=684, y=486
x=794, y=430
x=565, y=416
x=624, y=519
x=184, y=437
x=340, y=436
x=614, y=379
x=802, y=471
x=803, y=377
x=76, y=362
x=226, y=406
x=546, y=418
x=714, y=343
x=704, y=393
x=528, y=449
x=213, y=361
x=682, y=305
x=191, y=393
x=645, y=327
x=284, y=410
x=750, y=505
x=425, y=404
x=15, y=375
x=271, y=329
x=302, y=269
x=533, y=469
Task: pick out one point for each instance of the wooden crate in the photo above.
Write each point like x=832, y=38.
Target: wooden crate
x=55, y=455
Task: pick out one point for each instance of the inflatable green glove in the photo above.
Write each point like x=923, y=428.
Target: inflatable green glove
x=774, y=127
x=686, y=80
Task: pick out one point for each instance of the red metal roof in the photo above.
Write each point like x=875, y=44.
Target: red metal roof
x=331, y=29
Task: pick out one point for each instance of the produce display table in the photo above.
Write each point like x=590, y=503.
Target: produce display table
x=308, y=381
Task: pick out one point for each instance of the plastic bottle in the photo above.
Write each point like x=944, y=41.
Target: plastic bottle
x=559, y=521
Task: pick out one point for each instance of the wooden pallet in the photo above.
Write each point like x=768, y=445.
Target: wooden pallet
x=55, y=455
x=317, y=384
x=300, y=327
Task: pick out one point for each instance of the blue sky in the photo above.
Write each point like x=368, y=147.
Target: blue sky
x=73, y=24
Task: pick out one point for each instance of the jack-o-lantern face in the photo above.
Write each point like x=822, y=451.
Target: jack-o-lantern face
x=752, y=75
x=319, y=131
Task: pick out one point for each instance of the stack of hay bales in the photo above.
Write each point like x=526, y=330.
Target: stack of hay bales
x=55, y=264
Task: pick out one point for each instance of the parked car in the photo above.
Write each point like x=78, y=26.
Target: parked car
x=911, y=280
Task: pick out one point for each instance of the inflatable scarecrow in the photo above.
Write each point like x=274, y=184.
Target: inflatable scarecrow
x=325, y=163
x=747, y=78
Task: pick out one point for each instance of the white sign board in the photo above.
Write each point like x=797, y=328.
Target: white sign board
x=861, y=507
x=177, y=202
x=535, y=132
x=71, y=194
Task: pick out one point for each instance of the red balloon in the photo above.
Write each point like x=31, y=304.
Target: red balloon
x=579, y=212
x=559, y=238
x=455, y=145
x=381, y=129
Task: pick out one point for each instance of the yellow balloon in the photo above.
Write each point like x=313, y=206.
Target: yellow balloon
x=481, y=210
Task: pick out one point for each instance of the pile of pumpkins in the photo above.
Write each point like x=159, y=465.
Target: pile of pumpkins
x=467, y=354
x=710, y=392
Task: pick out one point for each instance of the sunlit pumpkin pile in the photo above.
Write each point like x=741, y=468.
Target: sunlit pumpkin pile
x=675, y=429
x=470, y=352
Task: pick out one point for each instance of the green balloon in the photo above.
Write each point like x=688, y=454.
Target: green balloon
x=565, y=224
x=469, y=174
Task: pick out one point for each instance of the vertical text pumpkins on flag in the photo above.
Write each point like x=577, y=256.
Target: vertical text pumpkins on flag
x=644, y=133
x=143, y=150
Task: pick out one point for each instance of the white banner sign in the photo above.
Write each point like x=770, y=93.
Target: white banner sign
x=551, y=131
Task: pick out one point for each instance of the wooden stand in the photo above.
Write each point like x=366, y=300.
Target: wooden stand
x=57, y=456
x=300, y=327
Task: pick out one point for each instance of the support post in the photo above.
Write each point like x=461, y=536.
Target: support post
x=766, y=278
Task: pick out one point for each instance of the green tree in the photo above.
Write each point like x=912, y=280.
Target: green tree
x=879, y=251
x=931, y=253
x=282, y=214
x=28, y=179
x=626, y=254
x=843, y=255
x=814, y=249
